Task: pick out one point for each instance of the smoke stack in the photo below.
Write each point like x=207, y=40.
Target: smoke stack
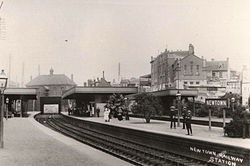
x=51, y=72
x=103, y=75
x=72, y=77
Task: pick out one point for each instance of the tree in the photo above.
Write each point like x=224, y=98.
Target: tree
x=148, y=105
x=116, y=103
x=235, y=127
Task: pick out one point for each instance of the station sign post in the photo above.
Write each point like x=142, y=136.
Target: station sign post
x=219, y=103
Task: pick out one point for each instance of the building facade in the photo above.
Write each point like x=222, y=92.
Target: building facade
x=177, y=70
x=245, y=83
x=185, y=70
x=161, y=69
x=50, y=88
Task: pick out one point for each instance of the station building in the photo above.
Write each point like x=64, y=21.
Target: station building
x=49, y=89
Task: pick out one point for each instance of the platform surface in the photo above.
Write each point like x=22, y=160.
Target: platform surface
x=28, y=143
x=215, y=135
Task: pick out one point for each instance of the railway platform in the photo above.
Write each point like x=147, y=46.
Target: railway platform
x=27, y=142
x=200, y=132
x=206, y=145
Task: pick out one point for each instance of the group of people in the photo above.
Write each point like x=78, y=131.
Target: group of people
x=186, y=115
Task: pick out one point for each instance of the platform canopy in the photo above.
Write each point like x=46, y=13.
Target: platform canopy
x=171, y=93
x=76, y=91
x=19, y=93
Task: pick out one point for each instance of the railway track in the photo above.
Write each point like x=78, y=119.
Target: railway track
x=133, y=152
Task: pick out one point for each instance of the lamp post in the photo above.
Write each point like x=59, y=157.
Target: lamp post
x=178, y=98
x=7, y=108
x=178, y=94
x=3, y=84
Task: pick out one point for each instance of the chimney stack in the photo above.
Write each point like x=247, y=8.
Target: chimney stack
x=72, y=77
x=103, y=75
x=191, y=49
x=51, y=71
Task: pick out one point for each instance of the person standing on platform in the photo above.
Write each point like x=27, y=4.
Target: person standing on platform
x=245, y=132
x=106, y=114
x=184, y=115
x=188, y=123
x=98, y=112
x=172, y=117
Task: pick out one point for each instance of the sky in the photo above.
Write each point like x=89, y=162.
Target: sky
x=86, y=37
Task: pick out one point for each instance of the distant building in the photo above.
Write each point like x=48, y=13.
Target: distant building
x=234, y=83
x=245, y=86
x=185, y=70
x=132, y=82
x=50, y=88
x=188, y=71
x=99, y=82
x=177, y=69
x=161, y=67
x=145, y=83
x=218, y=72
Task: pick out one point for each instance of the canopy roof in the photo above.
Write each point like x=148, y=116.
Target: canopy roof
x=171, y=93
x=18, y=93
x=98, y=90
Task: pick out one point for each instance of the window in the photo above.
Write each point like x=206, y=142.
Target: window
x=197, y=82
x=213, y=74
x=191, y=67
x=185, y=68
x=191, y=82
x=220, y=74
x=197, y=69
x=185, y=82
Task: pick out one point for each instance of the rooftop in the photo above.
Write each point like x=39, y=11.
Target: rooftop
x=51, y=79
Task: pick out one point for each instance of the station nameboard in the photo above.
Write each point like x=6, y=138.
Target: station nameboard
x=217, y=102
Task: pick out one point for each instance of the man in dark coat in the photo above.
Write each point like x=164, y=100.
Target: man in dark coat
x=188, y=122
x=246, y=118
x=172, y=117
x=98, y=112
x=184, y=115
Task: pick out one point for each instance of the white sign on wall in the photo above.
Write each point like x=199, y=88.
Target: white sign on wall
x=51, y=108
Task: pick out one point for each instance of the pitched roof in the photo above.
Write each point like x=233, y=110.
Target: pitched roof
x=52, y=79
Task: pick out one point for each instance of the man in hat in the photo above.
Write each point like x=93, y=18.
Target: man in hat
x=172, y=117
x=188, y=122
x=184, y=115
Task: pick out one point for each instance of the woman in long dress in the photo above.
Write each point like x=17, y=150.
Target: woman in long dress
x=106, y=114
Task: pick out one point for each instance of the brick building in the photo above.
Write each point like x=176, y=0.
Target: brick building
x=50, y=89
x=161, y=67
x=185, y=70
x=177, y=69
